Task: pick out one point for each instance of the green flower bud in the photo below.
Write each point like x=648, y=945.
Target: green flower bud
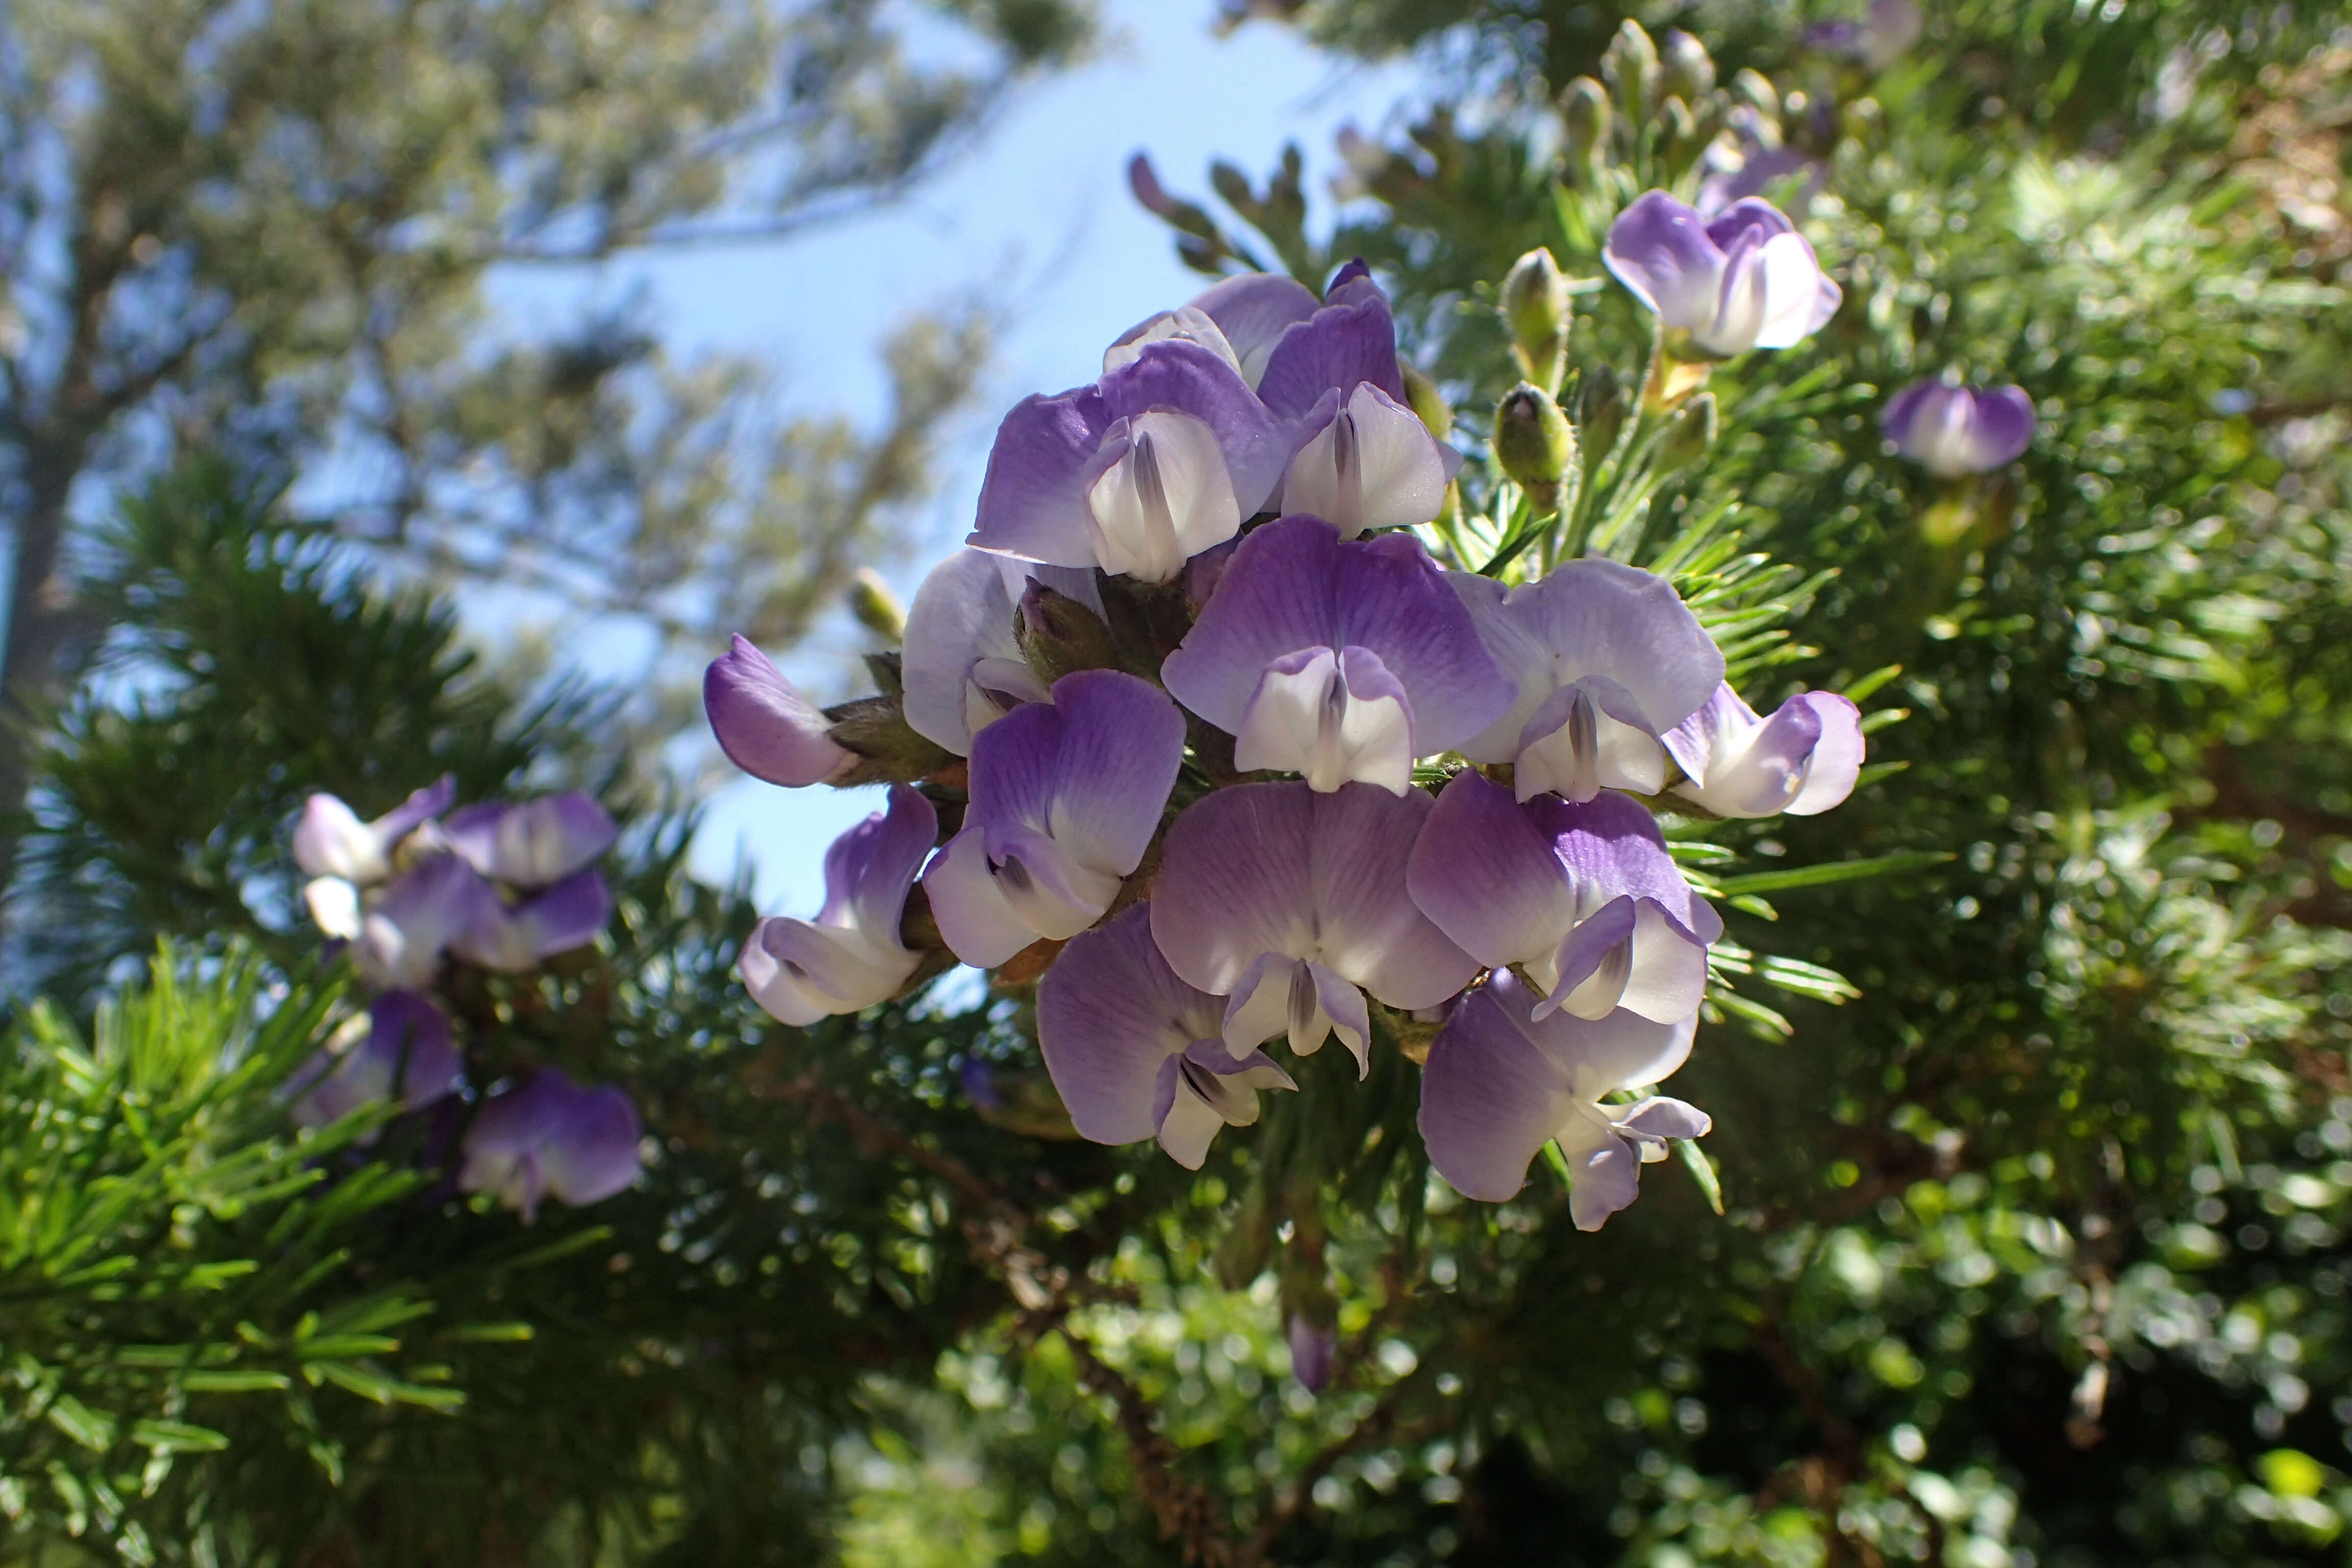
x=1680, y=137
x=1058, y=635
x=1600, y=412
x=876, y=608
x=1585, y=121
x=1533, y=443
x=889, y=749
x=1754, y=89
x=1427, y=401
x=1691, y=433
x=1537, y=304
x=1685, y=67
x=1631, y=67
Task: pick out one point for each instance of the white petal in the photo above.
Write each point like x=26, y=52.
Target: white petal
x=1191, y=1124
x=1168, y=498
x=1375, y=465
x=334, y=906
x=1307, y=717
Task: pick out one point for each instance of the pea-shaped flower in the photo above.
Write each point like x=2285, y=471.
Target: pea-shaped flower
x=548, y=1137
x=1606, y=658
x=851, y=956
x=1066, y=797
x=763, y=723
x=1137, y=1053
x=1160, y=459
x=406, y=1053
x=1501, y=1083
x=1803, y=760
x=1585, y=896
x=1339, y=659
x=1745, y=279
x=1952, y=430
x=964, y=668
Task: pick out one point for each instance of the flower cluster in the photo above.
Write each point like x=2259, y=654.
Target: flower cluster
x=499, y=886
x=1198, y=734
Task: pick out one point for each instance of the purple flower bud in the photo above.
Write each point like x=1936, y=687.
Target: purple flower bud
x=1286, y=900
x=1066, y=797
x=763, y=723
x=1745, y=281
x=850, y=957
x=1143, y=180
x=533, y=842
x=406, y=1053
x=1500, y=1084
x=1338, y=659
x=1803, y=760
x=1136, y=1053
x=1954, y=430
x=1312, y=1347
x=1585, y=896
x=1606, y=657
x=551, y=1137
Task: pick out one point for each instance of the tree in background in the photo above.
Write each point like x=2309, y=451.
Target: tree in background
x=267, y=230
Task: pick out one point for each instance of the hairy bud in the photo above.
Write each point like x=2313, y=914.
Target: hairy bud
x=1691, y=433
x=1058, y=635
x=1631, y=68
x=1534, y=442
x=1600, y=412
x=875, y=606
x=1537, y=304
x=1585, y=121
x=1427, y=402
x=1685, y=67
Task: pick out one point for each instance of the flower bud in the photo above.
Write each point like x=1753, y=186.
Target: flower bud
x=1754, y=89
x=1691, y=433
x=875, y=606
x=1537, y=304
x=1427, y=402
x=884, y=747
x=1679, y=137
x=1685, y=67
x=1600, y=412
x=1631, y=67
x=1058, y=635
x=1534, y=442
x=1585, y=120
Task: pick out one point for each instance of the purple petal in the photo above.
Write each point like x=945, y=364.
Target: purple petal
x=1837, y=755
x=1604, y=1170
x=408, y=1051
x=2005, y=425
x=977, y=920
x=1490, y=1097
x=1752, y=219
x=423, y=912
x=423, y=804
x=1312, y=1345
x=1661, y=1118
x=1803, y=760
x=570, y=914
x=851, y=956
x=870, y=869
x=961, y=615
x=1295, y=585
x=533, y=842
x=1952, y=430
x=1590, y=618
x=1033, y=502
x=1254, y=310
x=1340, y=347
x=1111, y=1015
x=1659, y=249
x=550, y=1137
x=1283, y=869
x=1092, y=769
x=1484, y=873
x=1612, y=843
x=764, y=725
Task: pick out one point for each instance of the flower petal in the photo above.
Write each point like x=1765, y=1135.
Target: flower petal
x=1110, y=1015
x=1484, y=871
x=1341, y=346
x=533, y=842
x=329, y=840
x=1372, y=464
x=1295, y=585
x=1837, y=755
x=869, y=869
x=976, y=918
x=1490, y=1097
x=962, y=616
x=1254, y=310
x=763, y=723
x=1659, y=249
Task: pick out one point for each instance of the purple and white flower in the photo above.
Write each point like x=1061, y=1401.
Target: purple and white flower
x=551, y=1137
x=1158, y=460
x=1585, y=896
x=1240, y=319
x=1340, y=660
x=420, y=914
x=341, y=855
x=532, y=843
x=1286, y=899
x=406, y=1053
x=1501, y=1083
x=1951, y=430
x=1747, y=280
x=851, y=956
x=1137, y=1053
x=763, y=723
x=513, y=938
x=963, y=668
x=1066, y=797
x=1367, y=462
x=1803, y=760
x=1606, y=658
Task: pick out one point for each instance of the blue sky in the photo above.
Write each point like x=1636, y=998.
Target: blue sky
x=1038, y=212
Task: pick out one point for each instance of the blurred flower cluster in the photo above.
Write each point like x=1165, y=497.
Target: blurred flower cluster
x=416, y=894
